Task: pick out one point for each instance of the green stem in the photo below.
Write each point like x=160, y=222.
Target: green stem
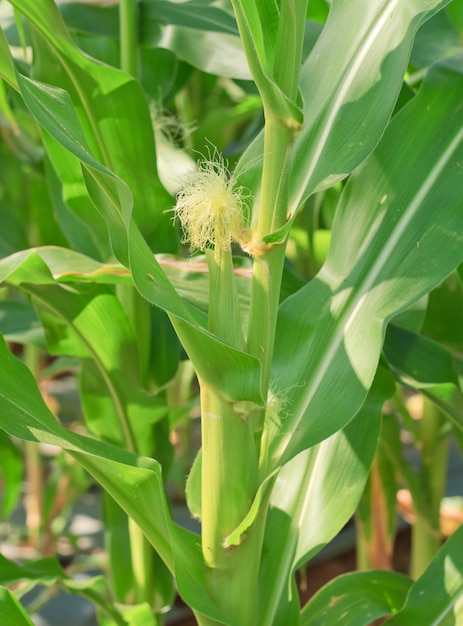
x=33, y=463
x=374, y=548
x=229, y=453
x=128, y=27
x=362, y=557
x=288, y=52
x=363, y=529
x=237, y=586
x=229, y=464
x=141, y=553
x=224, y=307
x=278, y=138
x=228, y=473
x=21, y=33
x=271, y=217
x=268, y=263
x=426, y=534
x=139, y=313
x=425, y=544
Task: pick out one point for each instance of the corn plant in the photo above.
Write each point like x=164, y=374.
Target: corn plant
x=291, y=377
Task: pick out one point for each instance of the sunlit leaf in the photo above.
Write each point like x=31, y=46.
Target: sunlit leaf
x=107, y=101
x=315, y=495
x=232, y=373
x=134, y=482
x=350, y=86
x=389, y=247
x=12, y=611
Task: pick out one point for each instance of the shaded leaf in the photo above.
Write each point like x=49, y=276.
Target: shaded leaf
x=215, y=53
x=436, y=39
x=363, y=596
x=107, y=101
x=19, y=323
x=48, y=572
x=11, y=469
x=435, y=598
x=426, y=365
x=444, y=315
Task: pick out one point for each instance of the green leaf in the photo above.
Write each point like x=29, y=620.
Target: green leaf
x=258, y=23
x=84, y=227
x=318, y=10
x=423, y=364
x=436, y=39
x=238, y=373
x=202, y=16
x=19, y=323
x=234, y=374
x=363, y=596
x=7, y=69
x=12, y=229
x=91, y=19
x=435, y=598
x=306, y=508
x=389, y=247
x=48, y=572
x=350, y=85
x=199, y=33
x=443, y=321
x=12, y=611
x=94, y=326
x=107, y=101
x=456, y=14
x=11, y=469
x=133, y=615
x=117, y=545
x=165, y=348
x=104, y=20
x=134, y=482
x=193, y=488
x=24, y=415
x=215, y=53
x=53, y=109
x=64, y=266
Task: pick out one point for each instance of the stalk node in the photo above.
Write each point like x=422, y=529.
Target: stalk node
x=259, y=248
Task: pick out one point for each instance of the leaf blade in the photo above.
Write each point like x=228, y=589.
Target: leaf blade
x=380, y=262
x=436, y=597
x=364, y=596
x=359, y=91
